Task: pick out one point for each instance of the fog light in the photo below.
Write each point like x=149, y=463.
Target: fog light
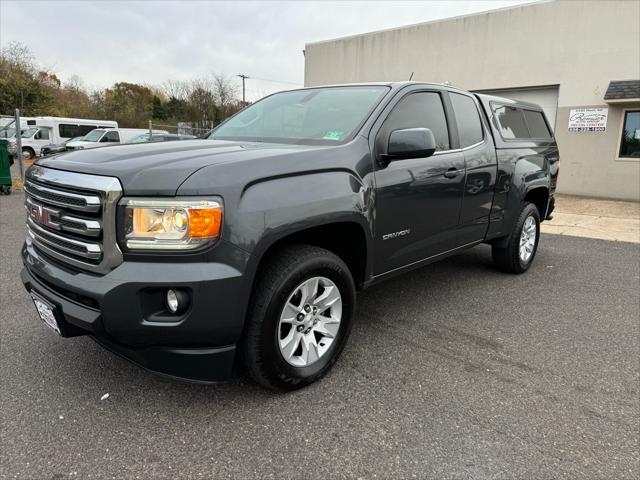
x=172, y=301
x=177, y=301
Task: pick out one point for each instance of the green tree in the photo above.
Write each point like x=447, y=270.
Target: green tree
x=130, y=104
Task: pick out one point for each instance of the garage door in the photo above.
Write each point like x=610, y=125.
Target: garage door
x=546, y=97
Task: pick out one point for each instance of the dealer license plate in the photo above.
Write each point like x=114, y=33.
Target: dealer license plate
x=45, y=310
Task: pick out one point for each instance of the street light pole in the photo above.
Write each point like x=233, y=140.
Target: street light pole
x=243, y=77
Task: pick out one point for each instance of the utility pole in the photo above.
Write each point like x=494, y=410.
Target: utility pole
x=19, y=144
x=243, y=77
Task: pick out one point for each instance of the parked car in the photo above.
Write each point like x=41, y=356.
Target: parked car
x=160, y=137
x=251, y=248
x=102, y=137
x=59, y=148
x=42, y=131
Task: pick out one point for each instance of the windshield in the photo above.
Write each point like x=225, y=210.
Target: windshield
x=29, y=132
x=320, y=116
x=93, y=136
x=7, y=133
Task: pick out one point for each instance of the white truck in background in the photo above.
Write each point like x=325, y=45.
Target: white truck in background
x=38, y=132
x=102, y=137
x=8, y=126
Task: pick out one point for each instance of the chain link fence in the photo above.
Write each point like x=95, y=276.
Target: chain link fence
x=184, y=130
x=9, y=125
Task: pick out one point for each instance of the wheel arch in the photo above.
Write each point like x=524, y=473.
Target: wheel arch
x=345, y=238
x=29, y=149
x=539, y=196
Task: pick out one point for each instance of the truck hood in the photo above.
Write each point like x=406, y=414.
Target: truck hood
x=160, y=168
x=81, y=143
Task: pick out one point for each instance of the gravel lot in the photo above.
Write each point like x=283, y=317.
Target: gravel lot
x=452, y=371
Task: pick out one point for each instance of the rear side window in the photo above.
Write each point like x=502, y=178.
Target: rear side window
x=511, y=122
x=69, y=131
x=467, y=119
x=84, y=129
x=537, y=126
x=417, y=110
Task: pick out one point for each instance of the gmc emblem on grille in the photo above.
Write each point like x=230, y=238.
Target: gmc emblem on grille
x=43, y=215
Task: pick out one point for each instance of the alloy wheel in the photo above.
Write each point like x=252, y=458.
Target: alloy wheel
x=310, y=321
x=528, y=239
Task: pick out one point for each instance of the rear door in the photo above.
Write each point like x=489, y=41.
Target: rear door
x=418, y=200
x=480, y=167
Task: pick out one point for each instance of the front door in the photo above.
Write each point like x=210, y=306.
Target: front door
x=418, y=200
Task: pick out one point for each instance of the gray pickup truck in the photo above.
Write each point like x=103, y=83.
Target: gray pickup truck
x=248, y=248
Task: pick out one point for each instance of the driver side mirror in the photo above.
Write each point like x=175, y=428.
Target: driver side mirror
x=411, y=143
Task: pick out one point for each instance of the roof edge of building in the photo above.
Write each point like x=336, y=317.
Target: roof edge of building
x=430, y=22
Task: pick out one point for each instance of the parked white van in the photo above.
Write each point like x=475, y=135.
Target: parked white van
x=8, y=126
x=101, y=137
x=40, y=131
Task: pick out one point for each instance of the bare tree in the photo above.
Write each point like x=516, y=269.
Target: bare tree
x=224, y=92
x=176, y=89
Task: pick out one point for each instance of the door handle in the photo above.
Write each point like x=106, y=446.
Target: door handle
x=452, y=172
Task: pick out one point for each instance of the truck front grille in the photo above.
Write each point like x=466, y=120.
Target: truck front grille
x=72, y=217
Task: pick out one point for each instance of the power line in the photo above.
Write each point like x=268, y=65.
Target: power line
x=277, y=81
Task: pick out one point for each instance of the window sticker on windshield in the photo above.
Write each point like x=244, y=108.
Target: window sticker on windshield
x=333, y=135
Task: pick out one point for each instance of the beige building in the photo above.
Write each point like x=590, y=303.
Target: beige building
x=580, y=60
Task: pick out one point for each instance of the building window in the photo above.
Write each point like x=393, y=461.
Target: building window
x=630, y=141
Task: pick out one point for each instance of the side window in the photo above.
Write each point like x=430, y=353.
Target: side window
x=417, y=110
x=511, y=122
x=111, y=137
x=43, y=134
x=68, y=131
x=537, y=126
x=84, y=129
x=467, y=119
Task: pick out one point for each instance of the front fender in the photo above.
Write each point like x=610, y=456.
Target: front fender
x=272, y=209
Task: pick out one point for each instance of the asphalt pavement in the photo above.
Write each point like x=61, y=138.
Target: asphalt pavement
x=452, y=371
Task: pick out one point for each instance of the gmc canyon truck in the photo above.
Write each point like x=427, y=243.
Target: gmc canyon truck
x=248, y=247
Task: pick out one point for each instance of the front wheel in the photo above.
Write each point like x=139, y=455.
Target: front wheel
x=521, y=248
x=299, y=318
x=28, y=154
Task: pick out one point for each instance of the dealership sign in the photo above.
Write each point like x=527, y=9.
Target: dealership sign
x=588, y=119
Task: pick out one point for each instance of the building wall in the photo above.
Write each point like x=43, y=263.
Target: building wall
x=579, y=45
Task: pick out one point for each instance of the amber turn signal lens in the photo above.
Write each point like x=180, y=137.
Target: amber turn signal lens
x=205, y=222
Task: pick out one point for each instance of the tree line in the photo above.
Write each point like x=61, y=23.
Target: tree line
x=201, y=103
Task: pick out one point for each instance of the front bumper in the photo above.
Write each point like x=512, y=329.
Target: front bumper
x=122, y=310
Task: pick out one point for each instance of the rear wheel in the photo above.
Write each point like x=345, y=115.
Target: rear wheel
x=299, y=318
x=521, y=249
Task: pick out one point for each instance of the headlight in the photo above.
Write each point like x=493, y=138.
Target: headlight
x=157, y=224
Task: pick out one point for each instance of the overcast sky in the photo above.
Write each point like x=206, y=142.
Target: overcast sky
x=153, y=41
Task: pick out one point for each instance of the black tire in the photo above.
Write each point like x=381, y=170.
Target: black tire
x=508, y=258
x=28, y=154
x=277, y=280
